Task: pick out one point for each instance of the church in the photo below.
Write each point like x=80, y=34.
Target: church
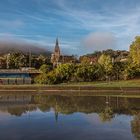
x=57, y=58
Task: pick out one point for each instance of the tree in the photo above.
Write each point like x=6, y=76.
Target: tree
x=118, y=70
x=131, y=71
x=85, y=60
x=17, y=60
x=65, y=71
x=135, y=51
x=43, y=78
x=2, y=62
x=106, y=62
x=45, y=68
x=87, y=72
x=52, y=78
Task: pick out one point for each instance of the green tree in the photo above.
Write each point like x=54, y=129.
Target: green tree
x=17, y=60
x=85, y=60
x=41, y=79
x=87, y=72
x=135, y=51
x=65, y=71
x=118, y=70
x=106, y=62
x=45, y=68
x=131, y=71
x=47, y=76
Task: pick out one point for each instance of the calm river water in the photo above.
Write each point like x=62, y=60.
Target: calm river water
x=59, y=117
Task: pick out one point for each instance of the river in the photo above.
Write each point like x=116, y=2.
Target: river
x=68, y=117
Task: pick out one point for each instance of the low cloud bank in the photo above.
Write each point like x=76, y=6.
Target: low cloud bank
x=21, y=46
x=100, y=41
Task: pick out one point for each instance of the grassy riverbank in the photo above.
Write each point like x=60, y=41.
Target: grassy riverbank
x=127, y=83
x=131, y=87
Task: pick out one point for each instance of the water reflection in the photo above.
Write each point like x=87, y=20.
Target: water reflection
x=109, y=110
x=105, y=106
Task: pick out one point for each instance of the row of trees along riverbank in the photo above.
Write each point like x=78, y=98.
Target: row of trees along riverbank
x=103, y=69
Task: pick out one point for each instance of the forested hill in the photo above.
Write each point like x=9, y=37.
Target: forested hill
x=7, y=47
x=110, y=52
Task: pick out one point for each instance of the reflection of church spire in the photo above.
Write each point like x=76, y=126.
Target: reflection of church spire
x=56, y=116
x=56, y=112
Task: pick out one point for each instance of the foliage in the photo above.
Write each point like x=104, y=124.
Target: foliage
x=45, y=68
x=100, y=65
x=49, y=78
x=65, y=72
x=41, y=79
x=88, y=72
x=135, y=51
x=118, y=70
x=131, y=72
x=16, y=60
x=106, y=62
x=85, y=60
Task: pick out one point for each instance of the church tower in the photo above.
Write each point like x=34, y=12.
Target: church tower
x=55, y=58
x=57, y=51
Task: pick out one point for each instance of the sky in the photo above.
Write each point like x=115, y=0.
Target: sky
x=82, y=26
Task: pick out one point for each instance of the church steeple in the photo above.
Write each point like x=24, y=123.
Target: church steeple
x=57, y=49
x=57, y=43
x=55, y=58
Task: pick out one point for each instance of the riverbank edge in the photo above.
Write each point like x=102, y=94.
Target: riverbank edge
x=68, y=88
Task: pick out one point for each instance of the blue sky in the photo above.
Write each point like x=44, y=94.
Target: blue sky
x=82, y=26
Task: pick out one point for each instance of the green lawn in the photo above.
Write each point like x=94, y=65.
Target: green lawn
x=128, y=83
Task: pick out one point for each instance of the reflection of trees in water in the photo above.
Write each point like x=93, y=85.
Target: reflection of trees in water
x=106, y=107
x=19, y=110
x=17, y=104
x=135, y=126
x=71, y=104
x=107, y=114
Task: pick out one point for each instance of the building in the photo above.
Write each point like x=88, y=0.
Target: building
x=57, y=58
x=17, y=76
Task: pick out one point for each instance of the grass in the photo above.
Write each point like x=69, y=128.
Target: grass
x=128, y=83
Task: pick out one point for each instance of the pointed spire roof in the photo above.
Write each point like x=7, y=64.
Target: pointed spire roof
x=57, y=49
x=57, y=42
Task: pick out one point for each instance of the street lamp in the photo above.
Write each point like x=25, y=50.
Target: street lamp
x=7, y=60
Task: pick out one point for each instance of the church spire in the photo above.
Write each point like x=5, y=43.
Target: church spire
x=57, y=49
x=57, y=42
x=55, y=58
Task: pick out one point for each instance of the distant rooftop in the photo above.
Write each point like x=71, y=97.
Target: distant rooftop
x=25, y=70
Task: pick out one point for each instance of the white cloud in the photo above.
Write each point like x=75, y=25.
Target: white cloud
x=99, y=41
x=79, y=18
x=122, y=21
